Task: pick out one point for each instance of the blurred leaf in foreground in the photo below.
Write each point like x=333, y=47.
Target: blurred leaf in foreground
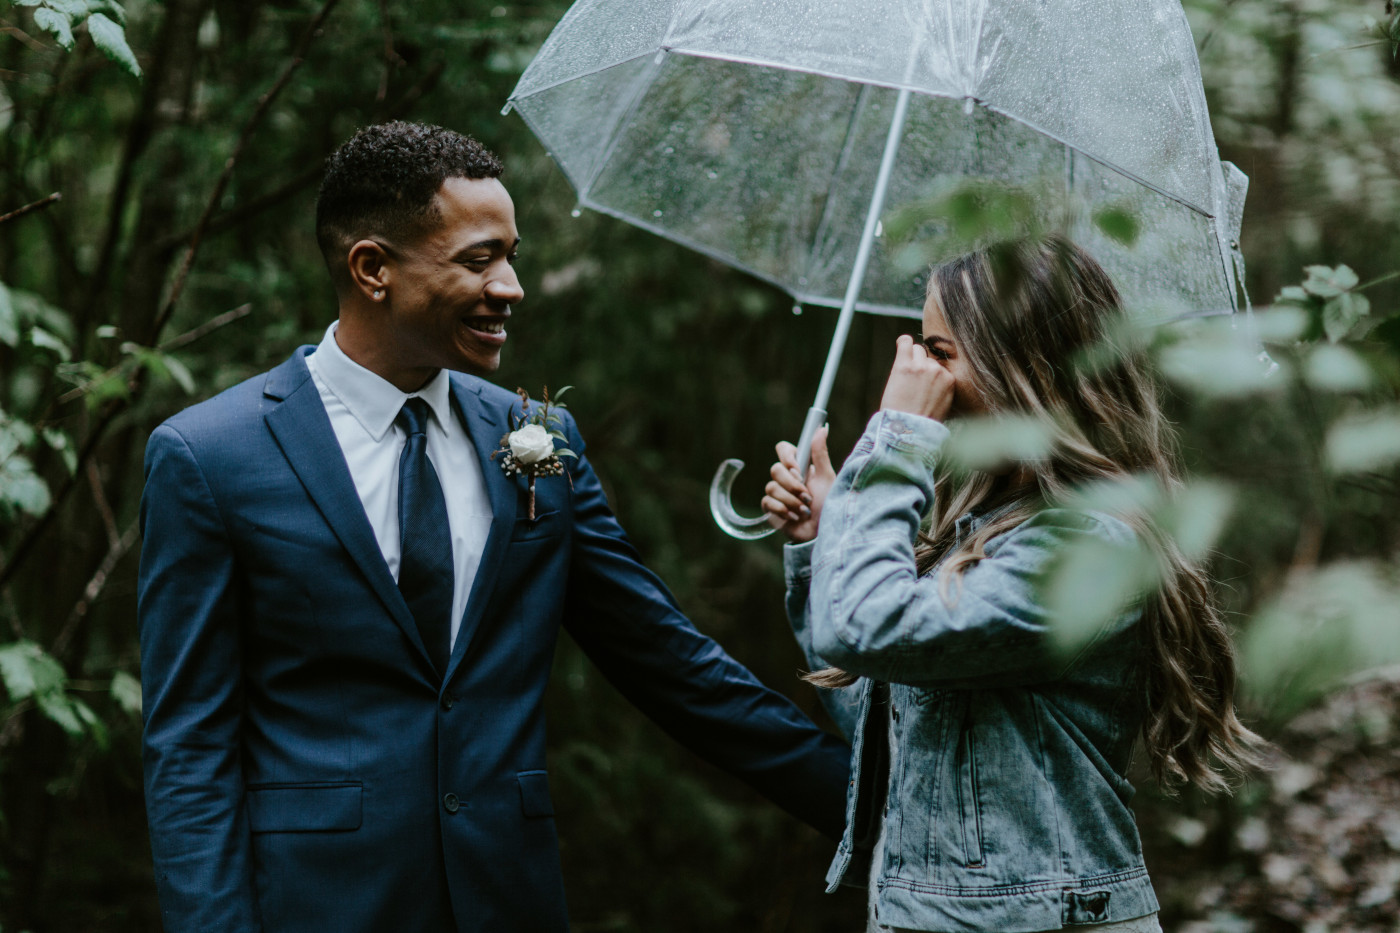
x=1365, y=441
x=1097, y=580
x=1334, y=368
x=1217, y=358
x=990, y=443
x=1326, y=625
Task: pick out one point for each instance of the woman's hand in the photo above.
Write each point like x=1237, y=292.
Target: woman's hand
x=795, y=507
x=918, y=383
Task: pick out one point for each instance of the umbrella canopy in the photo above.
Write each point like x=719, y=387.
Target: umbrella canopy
x=753, y=132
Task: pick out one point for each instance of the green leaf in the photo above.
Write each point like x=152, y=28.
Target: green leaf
x=1197, y=516
x=61, y=443
x=62, y=710
x=1230, y=368
x=564, y=452
x=14, y=435
x=111, y=39
x=27, y=670
x=107, y=331
x=9, y=321
x=1342, y=313
x=1094, y=582
x=1280, y=324
x=991, y=443
x=77, y=9
x=180, y=373
x=1293, y=293
x=1367, y=441
x=126, y=690
x=160, y=365
x=60, y=25
x=47, y=341
x=1135, y=494
x=111, y=8
x=1334, y=368
x=1326, y=626
x=1118, y=224
x=21, y=487
x=1325, y=282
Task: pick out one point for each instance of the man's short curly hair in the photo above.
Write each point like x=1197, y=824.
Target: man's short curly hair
x=382, y=180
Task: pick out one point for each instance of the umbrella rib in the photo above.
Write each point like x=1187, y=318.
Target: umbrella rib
x=842, y=160
x=514, y=99
x=1131, y=176
x=635, y=94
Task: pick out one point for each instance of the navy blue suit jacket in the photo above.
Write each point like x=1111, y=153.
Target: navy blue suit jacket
x=305, y=768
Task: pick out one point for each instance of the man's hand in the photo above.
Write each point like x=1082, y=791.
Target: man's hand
x=918, y=383
x=795, y=507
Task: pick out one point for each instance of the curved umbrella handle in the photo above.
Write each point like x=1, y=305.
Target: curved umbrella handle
x=722, y=500
x=722, y=506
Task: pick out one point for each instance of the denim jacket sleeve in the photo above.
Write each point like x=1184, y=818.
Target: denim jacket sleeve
x=871, y=613
x=842, y=704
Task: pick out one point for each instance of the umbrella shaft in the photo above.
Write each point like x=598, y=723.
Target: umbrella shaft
x=867, y=243
x=816, y=417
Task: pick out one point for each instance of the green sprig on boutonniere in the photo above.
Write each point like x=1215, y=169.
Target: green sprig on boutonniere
x=528, y=450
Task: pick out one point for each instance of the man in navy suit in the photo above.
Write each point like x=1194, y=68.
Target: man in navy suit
x=348, y=615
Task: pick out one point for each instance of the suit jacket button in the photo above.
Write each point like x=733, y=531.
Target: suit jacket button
x=450, y=803
x=448, y=700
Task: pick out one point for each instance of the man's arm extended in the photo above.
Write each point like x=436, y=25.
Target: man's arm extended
x=192, y=682
x=626, y=621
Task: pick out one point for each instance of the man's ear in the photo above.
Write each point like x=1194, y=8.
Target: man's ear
x=370, y=268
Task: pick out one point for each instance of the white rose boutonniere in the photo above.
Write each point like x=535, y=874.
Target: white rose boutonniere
x=530, y=444
x=529, y=450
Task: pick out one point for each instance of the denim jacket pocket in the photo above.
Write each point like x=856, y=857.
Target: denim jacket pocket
x=969, y=795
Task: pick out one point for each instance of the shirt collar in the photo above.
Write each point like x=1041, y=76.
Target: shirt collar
x=371, y=399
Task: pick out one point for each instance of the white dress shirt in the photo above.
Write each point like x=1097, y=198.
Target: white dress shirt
x=362, y=407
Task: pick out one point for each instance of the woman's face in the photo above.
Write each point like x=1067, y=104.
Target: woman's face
x=938, y=341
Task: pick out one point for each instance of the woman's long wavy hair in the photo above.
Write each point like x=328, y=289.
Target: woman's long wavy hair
x=1026, y=316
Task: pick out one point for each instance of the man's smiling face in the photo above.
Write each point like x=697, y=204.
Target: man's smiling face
x=450, y=290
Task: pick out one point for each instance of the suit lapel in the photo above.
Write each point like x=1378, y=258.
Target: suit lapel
x=303, y=431
x=485, y=426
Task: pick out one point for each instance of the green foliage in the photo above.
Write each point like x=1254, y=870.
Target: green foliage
x=1095, y=581
x=21, y=489
x=1322, y=629
x=1119, y=223
x=29, y=673
x=1217, y=358
x=1364, y=441
x=991, y=442
x=105, y=21
x=126, y=691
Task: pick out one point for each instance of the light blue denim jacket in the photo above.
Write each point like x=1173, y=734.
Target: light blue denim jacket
x=1007, y=808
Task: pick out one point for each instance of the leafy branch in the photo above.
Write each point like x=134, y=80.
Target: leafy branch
x=105, y=21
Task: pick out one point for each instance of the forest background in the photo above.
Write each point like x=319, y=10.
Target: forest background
x=186, y=139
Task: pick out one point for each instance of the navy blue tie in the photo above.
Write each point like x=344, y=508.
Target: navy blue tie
x=425, y=561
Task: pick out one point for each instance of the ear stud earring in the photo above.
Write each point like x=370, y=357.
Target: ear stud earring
x=378, y=294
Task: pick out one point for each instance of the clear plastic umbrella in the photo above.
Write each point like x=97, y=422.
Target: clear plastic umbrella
x=774, y=134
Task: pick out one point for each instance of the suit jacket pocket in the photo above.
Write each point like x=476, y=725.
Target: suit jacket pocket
x=305, y=808
x=534, y=793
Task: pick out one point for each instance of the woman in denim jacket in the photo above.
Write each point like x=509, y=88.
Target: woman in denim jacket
x=988, y=789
